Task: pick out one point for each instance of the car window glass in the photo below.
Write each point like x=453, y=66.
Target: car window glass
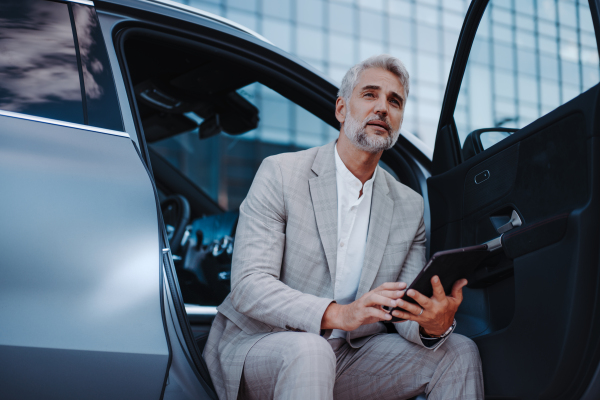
x=38, y=64
x=101, y=100
x=224, y=165
x=528, y=58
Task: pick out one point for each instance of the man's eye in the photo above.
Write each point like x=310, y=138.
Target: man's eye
x=369, y=94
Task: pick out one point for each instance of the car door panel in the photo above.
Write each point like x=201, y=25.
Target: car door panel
x=534, y=320
x=80, y=288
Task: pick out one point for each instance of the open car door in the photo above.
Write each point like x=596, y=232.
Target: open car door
x=517, y=154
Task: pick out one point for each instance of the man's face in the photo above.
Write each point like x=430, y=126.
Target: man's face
x=373, y=116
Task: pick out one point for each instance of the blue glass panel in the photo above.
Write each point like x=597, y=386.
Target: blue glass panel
x=428, y=39
x=341, y=49
x=567, y=12
x=401, y=7
x=526, y=62
x=400, y=31
x=525, y=6
x=371, y=25
x=247, y=5
x=310, y=12
x=277, y=31
x=546, y=9
x=504, y=84
x=549, y=67
x=503, y=56
x=427, y=14
x=341, y=18
x=277, y=8
x=309, y=42
x=38, y=64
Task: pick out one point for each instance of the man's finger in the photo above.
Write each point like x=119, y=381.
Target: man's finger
x=379, y=314
x=411, y=308
x=375, y=299
x=403, y=315
x=457, y=289
x=423, y=301
x=438, y=289
x=392, y=286
x=392, y=294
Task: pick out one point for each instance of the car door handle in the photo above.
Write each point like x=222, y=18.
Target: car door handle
x=514, y=221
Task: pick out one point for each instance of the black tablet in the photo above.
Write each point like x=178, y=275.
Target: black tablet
x=449, y=266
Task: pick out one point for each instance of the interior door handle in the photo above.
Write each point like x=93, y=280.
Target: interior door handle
x=514, y=221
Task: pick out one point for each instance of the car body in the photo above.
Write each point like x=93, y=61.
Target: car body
x=116, y=240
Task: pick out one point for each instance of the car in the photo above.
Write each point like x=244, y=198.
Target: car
x=130, y=131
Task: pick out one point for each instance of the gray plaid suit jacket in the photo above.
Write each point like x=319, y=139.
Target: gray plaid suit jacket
x=285, y=257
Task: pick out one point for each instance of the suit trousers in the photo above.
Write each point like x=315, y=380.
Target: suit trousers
x=296, y=365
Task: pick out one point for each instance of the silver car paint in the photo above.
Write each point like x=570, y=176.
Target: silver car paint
x=79, y=290
x=107, y=22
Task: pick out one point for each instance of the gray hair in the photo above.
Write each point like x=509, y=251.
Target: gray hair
x=384, y=61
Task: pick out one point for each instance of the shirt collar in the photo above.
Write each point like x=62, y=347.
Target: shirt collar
x=349, y=177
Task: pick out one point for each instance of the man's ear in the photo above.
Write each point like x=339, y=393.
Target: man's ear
x=340, y=110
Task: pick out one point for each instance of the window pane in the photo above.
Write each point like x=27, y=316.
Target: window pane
x=340, y=16
x=101, y=100
x=540, y=58
x=371, y=25
x=309, y=42
x=277, y=8
x=38, y=64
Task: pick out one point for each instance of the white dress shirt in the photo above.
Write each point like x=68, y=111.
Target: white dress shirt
x=353, y=227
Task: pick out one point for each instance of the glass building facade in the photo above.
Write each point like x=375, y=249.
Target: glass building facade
x=333, y=35
x=528, y=57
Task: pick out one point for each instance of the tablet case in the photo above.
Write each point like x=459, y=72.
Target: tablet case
x=449, y=266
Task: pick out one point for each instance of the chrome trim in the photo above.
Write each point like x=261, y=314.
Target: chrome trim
x=63, y=123
x=494, y=244
x=84, y=2
x=205, y=14
x=193, y=309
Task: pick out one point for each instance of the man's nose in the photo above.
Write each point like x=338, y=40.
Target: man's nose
x=381, y=107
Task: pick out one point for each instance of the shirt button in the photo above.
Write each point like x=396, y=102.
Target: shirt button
x=342, y=244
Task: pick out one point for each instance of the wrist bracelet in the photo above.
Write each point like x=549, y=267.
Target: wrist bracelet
x=424, y=335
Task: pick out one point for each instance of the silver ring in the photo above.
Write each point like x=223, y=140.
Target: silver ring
x=422, y=309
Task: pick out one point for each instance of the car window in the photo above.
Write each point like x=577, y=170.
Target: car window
x=224, y=165
x=528, y=58
x=38, y=63
x=101, y=102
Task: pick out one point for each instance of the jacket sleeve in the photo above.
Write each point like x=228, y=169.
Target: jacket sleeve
x=413, y=264
x=256, y=290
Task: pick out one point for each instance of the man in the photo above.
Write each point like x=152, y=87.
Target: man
x=325, y=240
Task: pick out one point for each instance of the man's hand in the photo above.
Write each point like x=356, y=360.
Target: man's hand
x=366, y=310
x=438, y=311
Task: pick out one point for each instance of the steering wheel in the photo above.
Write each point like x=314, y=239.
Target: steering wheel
x=176, y=214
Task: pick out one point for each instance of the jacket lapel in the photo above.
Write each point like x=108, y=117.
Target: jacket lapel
x=382, y=208
x=323, y=192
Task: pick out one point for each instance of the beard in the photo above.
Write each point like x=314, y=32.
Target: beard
x=355, y=130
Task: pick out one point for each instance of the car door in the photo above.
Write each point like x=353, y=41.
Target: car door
x=80, y=289
x=528, y=71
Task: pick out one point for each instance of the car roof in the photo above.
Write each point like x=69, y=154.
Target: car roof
x=211, y=16
x=194, y=15
x=182, y=11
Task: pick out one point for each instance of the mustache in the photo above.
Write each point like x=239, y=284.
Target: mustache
x=377, y=118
